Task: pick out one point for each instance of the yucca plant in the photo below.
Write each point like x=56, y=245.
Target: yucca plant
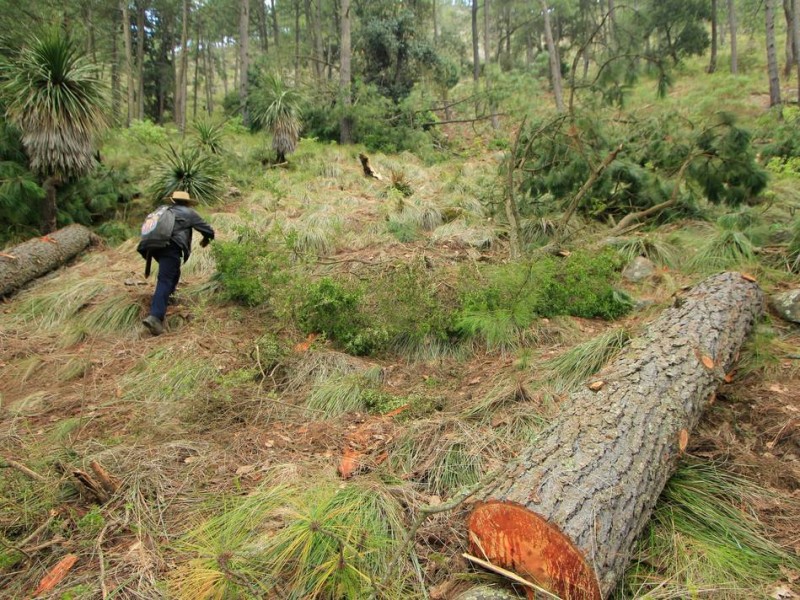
x=189, y=170
x=276, y=107
x=57, y=100
x=209, y=136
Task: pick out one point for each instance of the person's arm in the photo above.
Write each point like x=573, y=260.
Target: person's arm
x=203, y=228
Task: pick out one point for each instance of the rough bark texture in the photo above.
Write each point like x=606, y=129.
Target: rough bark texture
x=567, y=513
x=772, y=58
x=29, y=260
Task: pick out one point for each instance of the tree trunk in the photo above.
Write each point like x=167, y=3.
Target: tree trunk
x=732, y=27
x=296, y=41
x=555, y=66
x=487, y=75
x=223, y=70
x=796, y=38
x=196, y=81
x=772, y=57
x=435, y=24
x=712, y=63
x=50, y=205
x=140, y=60
x=789, y=45
x=346, y=124
x=126, y=36
x=115, y=92
x=244, y=37
x=567, y=513
x=38, y=256
x=180, y=90
x=208, y=70
x=275, y=29
x=476, y=59
x=261, y=12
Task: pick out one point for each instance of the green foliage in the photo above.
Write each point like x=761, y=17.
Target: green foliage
x=395, y=54
x=92, y=522
x=729, y=246
x=250, y=267
x=189, y=170
x=96, y=197
x=276, y=107
x=716, y=162
x=650, y=246
x=53, y=94
x=516, y=294
x=330, y=308
x=146, y=133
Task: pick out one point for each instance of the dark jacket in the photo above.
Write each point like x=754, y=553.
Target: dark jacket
x=186, y=219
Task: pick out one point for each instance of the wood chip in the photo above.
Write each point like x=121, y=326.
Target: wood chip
x=748, y=277
x=683, y=440
x=707, y=361
x=597, y=386
x=54, y=576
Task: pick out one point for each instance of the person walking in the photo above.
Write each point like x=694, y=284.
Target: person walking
x=169, y=258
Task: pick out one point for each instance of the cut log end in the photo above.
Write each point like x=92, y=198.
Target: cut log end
x=517, y=539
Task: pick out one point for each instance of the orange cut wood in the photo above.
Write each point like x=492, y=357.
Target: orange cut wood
x=521, y=541
x=748, y=277
x=707, y=361
x=54, y=576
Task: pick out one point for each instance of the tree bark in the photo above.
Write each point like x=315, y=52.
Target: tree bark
x=476, y=59
x=208, y=70
x=140, y=25
x=796, y=38
x=126, y=36
x=261, y=12
x=183, y=65
x=555, y=66
x=732, y=27
x=712, y=63
x=789, y=42
x=567, y=513
x=50, y=205
x=772, y=58
x=244, y=63
x=115, y=92
x=346, y=124
x=29, y=260
x=275, y=29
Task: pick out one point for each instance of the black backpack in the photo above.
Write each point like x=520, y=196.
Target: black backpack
x=156, y=233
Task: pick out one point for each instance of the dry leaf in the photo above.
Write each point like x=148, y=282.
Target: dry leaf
x=790, y=574
x=54, y=576
x=683, y=440
x=729, y=377
x=245, y=469
x=782, y=592
x=597, y=386
x=475, y=381
x=305, y=345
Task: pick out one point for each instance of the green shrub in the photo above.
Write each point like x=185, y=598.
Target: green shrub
x=516, y=294
x=250, y=267
x=330, y=308
x=146, y=133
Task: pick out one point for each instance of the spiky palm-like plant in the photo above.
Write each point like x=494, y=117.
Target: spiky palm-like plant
x=276, y=107
x=189, y=170
x=57, y=100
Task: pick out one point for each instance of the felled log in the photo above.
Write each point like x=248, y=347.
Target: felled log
x=38, y=256
x=566, y=514
x=368, y=170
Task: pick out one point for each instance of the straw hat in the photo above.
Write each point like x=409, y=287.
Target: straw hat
x=181, y=197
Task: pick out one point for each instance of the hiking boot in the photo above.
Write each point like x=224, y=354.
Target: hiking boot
x=154, y=324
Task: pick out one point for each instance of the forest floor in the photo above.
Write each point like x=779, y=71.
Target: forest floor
x=197, y=415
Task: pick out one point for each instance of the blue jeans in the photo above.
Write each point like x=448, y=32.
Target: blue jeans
x=169, y=273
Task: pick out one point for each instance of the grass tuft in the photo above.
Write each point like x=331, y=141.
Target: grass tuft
x=346, y=393
x=705, y=539
x=584, y=360
x=652, y=247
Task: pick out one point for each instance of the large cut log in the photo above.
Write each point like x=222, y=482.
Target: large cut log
x=29, y=260
x=566, y=514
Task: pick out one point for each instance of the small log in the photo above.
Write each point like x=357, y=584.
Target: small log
x=38, y=256
x=368, y=170
x=90, y=488
x=107, y=481
x=567, y=513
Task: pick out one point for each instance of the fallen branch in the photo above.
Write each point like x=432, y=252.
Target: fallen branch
x=22, y=469
x=368, y=170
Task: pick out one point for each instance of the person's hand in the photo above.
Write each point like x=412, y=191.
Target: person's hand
x=204, y=242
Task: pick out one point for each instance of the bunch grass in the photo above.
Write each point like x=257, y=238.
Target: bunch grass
x=584, y=360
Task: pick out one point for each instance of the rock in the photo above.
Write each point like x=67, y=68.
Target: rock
x=787, y=305
x=234, y=192
x=638, y=269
